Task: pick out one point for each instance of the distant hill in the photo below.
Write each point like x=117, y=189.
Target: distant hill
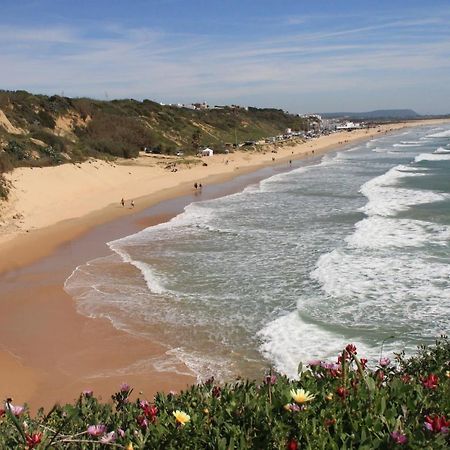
x=384, y=114
x=38, y=130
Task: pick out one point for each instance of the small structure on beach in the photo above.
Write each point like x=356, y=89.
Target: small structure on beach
x=207, y=152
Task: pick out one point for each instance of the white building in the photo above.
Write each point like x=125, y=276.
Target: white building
x=207, y=152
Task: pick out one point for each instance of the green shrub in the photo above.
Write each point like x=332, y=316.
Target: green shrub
x=46, y=119
x=17, y=151
x=331, y=406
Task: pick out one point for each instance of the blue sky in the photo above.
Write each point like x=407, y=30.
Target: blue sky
x=302, y=56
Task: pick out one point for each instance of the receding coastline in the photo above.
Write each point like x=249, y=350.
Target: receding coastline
x=43, y=331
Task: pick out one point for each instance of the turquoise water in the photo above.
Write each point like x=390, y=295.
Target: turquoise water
x=354, y=248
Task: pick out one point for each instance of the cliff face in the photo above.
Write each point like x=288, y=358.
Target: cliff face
x=41, y=130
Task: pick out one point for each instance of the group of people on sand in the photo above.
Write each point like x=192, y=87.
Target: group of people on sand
x=198, y=186
x=122, y=202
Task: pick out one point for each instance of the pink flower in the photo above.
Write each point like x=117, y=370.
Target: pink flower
x=108, y=438
x=384, y=362
x=124, y=387
x=292, y=445
x=15, y=410
x=314, y=363
x=399, y=438
x=270, y=379
x=96, y=430
x=363, y=362
x=120, y=432
x=142, y=421
x=88, y=392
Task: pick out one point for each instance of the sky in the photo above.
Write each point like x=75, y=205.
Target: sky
x=301, y=56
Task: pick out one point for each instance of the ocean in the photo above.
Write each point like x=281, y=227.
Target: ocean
x=350, y=248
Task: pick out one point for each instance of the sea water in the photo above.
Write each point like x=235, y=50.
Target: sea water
x=354, y=248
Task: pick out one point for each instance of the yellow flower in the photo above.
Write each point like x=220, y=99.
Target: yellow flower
x=329, y=397
x=300, y=396
x=181, y=417
x=129, y=446
x=447, y=374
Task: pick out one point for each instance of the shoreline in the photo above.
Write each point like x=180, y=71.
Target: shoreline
x=39, y=261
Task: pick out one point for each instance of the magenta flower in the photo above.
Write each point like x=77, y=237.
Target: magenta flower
x=384, y=362
x=351, y=348
x=96, y=430
x=108, y=438
x=399, y=438
x=120, y=432
x=88, y=392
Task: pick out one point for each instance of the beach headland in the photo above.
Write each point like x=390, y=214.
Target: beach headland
x=60, y=217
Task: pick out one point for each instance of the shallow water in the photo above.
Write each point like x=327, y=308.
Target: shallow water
x=354, y=248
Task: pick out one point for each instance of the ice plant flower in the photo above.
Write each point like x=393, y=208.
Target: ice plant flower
x=15, y=410
x=33, y=439
x=351, y=348
x=431, y=381
x=108, y=438
x=96, y=430
x=314, y=363
x=301, y=396
x=142, y=421
x=270, y=379
x=124, y=387
x=88, y=393
x=292, y=445
x=437, y=424
x=291, y=407
x=329, y=396
x=399, y=438
x=181, y=417
x=342, y=392
x=384, y=362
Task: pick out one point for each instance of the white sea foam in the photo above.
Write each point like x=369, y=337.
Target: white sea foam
x=385, y=290
x=408, y=144
x=154, y=282
x=378, y=232
x=442, y=150
x=386, y=198
x=441, y=156
x=442, y=134
x=380, y=150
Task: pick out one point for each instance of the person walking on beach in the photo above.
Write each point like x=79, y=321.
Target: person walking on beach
x=122, y=202
x=132, y=203
x=195, y=185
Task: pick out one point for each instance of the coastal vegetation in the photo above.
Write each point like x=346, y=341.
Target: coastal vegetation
x=38, y=130
x=333, y=405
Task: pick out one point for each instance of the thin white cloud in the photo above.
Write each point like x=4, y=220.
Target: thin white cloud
x=150, y=63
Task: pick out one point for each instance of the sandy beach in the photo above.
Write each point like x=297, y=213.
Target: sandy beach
x=58, y=218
